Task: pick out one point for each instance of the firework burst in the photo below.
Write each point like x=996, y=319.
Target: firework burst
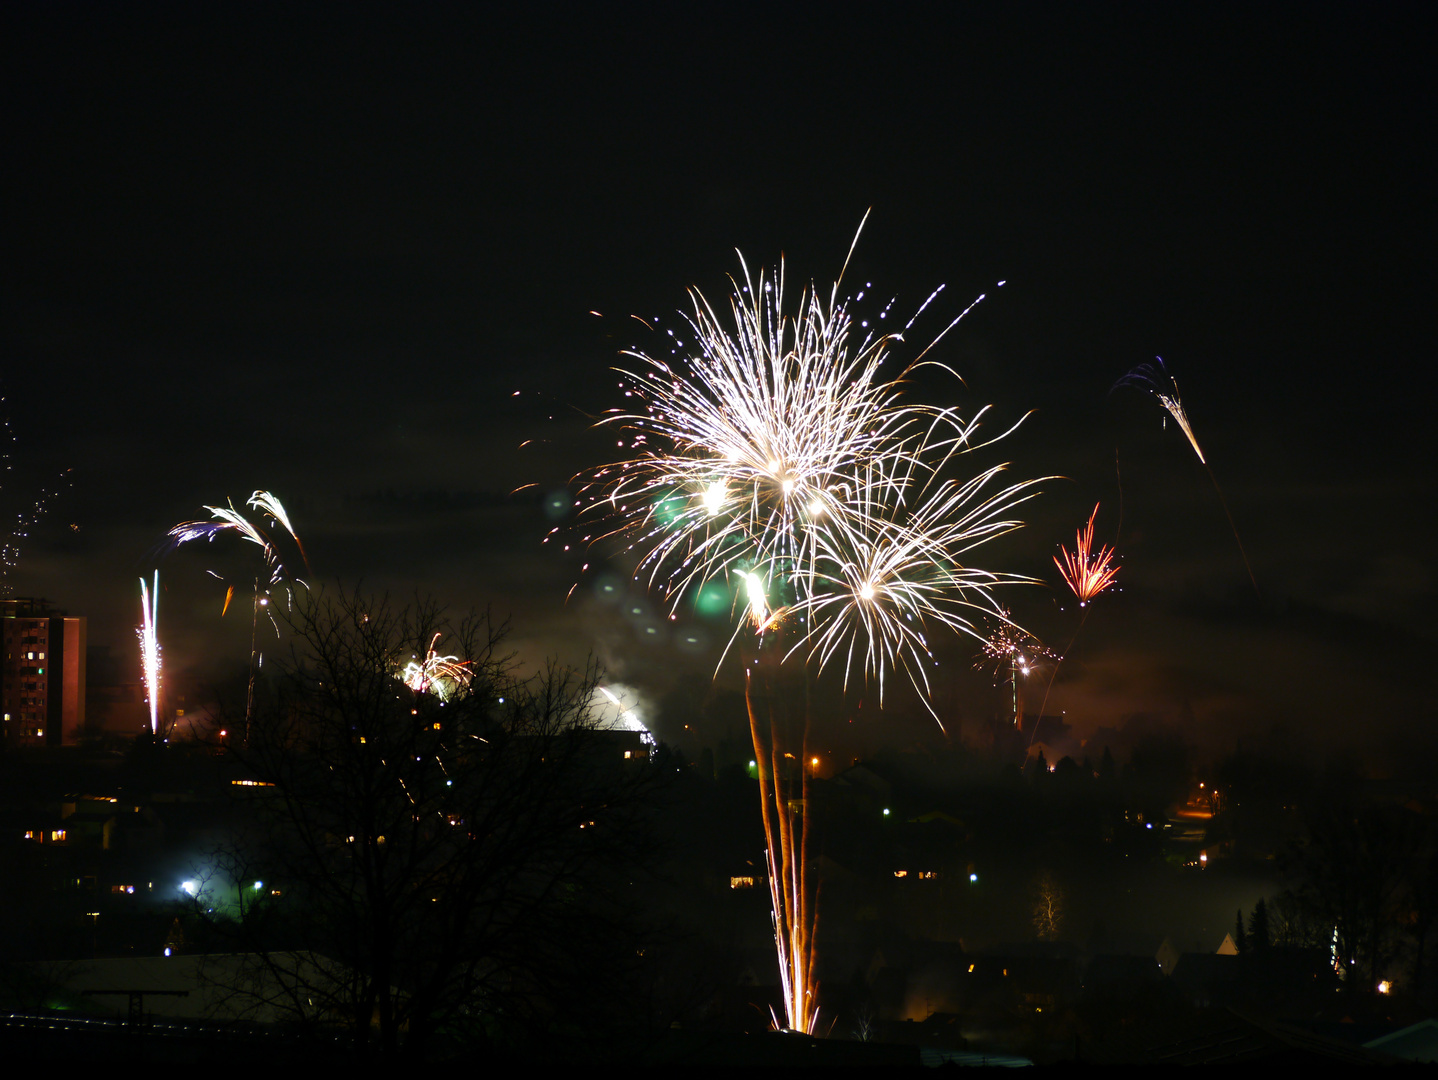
x=1087, y=572
x=769, y=452
x=772, y=454
x=1012, y=654
x=445, y=677
x=1010, y=647
x=226, y=519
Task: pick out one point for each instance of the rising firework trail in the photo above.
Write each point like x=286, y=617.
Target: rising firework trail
x=1164, y=387
x=1087, y=573
x=150, y=648
x=769, y=454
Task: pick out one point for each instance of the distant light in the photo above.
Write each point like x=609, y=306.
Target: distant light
x=192, y=888
x=886, y=811
x=973, y=877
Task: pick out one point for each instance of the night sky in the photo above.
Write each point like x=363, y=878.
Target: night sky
x=319, y=252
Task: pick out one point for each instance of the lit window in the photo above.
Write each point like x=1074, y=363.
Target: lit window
x=741, y=882
x=901, y=873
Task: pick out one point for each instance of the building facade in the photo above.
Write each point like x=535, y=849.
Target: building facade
x=42, y=673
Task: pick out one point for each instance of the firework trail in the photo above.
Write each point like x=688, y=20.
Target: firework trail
x=150, y=648
x=769, y=453
x=1087, y=573
x=1164, y=387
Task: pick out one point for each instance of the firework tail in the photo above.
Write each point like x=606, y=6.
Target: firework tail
x=792, y=894
x=1236, y=539
x=1164, y=388
x=150, y=648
